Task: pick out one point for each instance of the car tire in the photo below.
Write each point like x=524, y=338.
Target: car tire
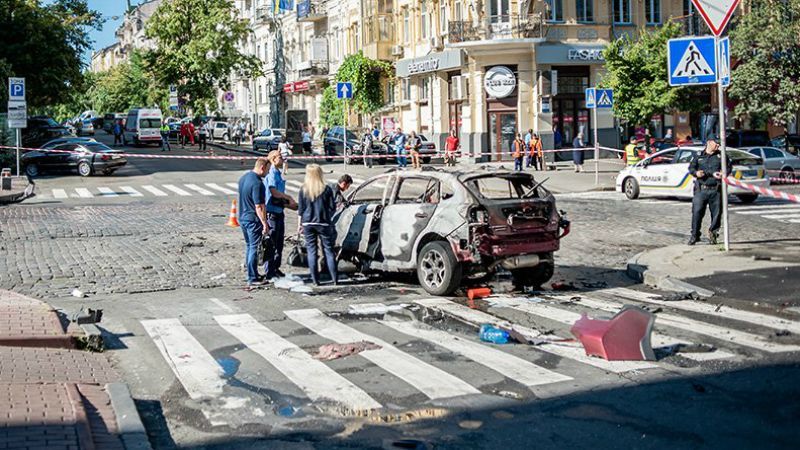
x=84, y=169
x=438, y=271
x=747, y=198
x=631, y=188
x=32, y=170
x=787, y=175
x=426, y=160
x=534, y=276
x=381, y=161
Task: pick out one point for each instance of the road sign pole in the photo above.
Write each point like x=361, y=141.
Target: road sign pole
x=19, y=141
x=723, y=150
x=344, y=135
x=596, y=148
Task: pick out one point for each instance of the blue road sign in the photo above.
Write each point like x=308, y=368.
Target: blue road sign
x=604, y=98
x=344, y=90
x=724, y=62
x=590, y=98
x=16, y=89
x=692, y=60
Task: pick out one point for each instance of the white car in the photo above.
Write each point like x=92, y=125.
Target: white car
x=666, y=174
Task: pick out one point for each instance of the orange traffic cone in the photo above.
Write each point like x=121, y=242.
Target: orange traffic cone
x=232, y=220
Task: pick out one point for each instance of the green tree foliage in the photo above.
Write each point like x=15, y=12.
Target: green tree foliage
x=332, y=109
x=766, y=43
x=44, y=43
x=637, y=71
x=365, y=74
x=196, y=48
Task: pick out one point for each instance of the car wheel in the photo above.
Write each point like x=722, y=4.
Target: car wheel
x=747, y=198
x=787, y=175
x=109, y=172
x=631, y=188
x=84, y=169
x=438, y=271
x=32, y=170
x=534, y=276
x=381, y=161
x=426, y=160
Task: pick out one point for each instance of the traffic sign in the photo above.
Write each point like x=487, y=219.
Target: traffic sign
x=344, y=90
x=692, y=60
x=604, y=98
x=724, y=62
x=590, y=98
x=716, y=13
x=228, y=97
x=17, y=114
x=16, y=89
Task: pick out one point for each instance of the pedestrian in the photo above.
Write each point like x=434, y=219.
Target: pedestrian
x=376, y=133
x=165, y=137
x=117, y=130
x=190, y=131
x=276, y=201
x=202, y=136
x=366, y=148
x=536, y=152
x=316, y=208
x=253, y=217
x=631, y=152
x=577, y=152
x=285, y=148
x=706, y=167
x=529, y=155
x=668, y=137
x=307, y=140
x=451, y=146
x=344, y=183
x=558, y=138
x=413, y=144
x=237, y=134
x=399, y=142
x=518, y=151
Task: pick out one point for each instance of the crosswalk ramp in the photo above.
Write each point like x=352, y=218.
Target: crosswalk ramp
x=786, y=212
x=418, y=362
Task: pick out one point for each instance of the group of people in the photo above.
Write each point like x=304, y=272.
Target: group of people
x=528, y=149
x=262, y=205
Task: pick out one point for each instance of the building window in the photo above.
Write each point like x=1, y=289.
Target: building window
x=459, y=11
x=555, y=10
x=405, y=86
x=260, y=93
x=423, y=20
x=584, y=10
x=622, y=11
x=499, y=10
x=652, y=11
x=442, y=17
x=406, y=25
x=688, y=7
x=425, y=89
x=390, y=93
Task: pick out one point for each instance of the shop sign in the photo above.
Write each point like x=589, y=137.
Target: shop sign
x=585, y=55
x=569, y=54
x=450, y=59
x=500, y=82
x=546, y=105
x=387, y=124
x=297, y=86
x=568, y=119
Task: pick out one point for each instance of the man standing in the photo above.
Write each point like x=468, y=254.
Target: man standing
x=117, y=130
x=202, y=135
x=366, y=148
x=165, y=137
x=399, y=141
x=537, y=154
x=413, y=144
x=706, y=167
x=529, y=159
x=276, y=200
x=252, y=217
x=344, y=183
x=451, y=146
x=631, y=152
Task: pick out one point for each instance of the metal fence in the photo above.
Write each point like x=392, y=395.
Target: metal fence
x=510, y=26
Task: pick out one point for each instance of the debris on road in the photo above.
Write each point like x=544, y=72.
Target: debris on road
x=489, y=333
x=562, y=286
x=377, y=309
x=678, y=296
x=330, y=352
x=510, y=394
x=288, y=282
x=78, y=293
x=481, y=292
x=220, y=276
x=625, y=337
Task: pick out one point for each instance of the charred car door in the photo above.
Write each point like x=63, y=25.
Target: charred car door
x=357, y=224
x=407, y=215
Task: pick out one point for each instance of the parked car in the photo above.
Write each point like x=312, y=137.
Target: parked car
x=778, y=162
x=142, y=126
x=452, y=226
x=42, y=129
x=267, y=140
x=380, y=152
x=747, y=138
x=666, y=174
x=427, y=150
x=87, y=156
x=219, y=130
x=109, y=120
x=788, y=142
x=333, y=142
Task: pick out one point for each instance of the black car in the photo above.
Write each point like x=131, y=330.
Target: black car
x=788, y=142
x=747, y=138
x=42, y=129
x=84, y=155
x=333, y=141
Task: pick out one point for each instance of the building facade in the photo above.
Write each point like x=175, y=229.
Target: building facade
x=130, y=36
x=106, y=58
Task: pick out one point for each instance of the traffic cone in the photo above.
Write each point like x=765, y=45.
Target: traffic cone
x=232, y=220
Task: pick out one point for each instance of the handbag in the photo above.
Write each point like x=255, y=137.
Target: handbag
x=298, y=255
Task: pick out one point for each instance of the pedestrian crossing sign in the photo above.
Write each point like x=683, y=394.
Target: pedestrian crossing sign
x=724, y=62
x=692, y=60
x=590, y=98
x=604, y=98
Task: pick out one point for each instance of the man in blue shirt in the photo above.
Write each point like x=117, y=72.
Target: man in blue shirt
x=276, y=200
x=399, y=141
x=253, y=216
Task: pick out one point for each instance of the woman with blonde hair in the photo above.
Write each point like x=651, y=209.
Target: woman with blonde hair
x=316, y=207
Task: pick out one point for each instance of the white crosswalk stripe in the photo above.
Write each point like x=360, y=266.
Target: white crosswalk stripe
x=84, y=193
x=131, y=191
x=177, y=190
x=155, y=191
x=431, y=381
x=60, y=193
x=198, y=189
x=107, y=192
x=233, y=185
x=224, y=190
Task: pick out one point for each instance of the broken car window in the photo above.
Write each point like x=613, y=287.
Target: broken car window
x=503, y=188
x=418, y=190
x=371, y=192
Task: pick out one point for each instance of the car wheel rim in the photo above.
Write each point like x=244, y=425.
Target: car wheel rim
x=84, y=169
x=32, y=170
x=433, y=269
x=628, y=188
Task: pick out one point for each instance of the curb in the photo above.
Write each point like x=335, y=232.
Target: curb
x=131, y=430
x=240, y=150
x=643, y=274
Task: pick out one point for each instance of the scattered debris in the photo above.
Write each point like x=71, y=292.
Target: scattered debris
x=692, y=348
x=762, y=258
x=147, y=267
x=783, y=333
x=481, y=292
x=562, y=286
x=571, y=301
x=489, y=333
x=594, y=284
x=78, y=293
x=288, y=282
x=678, y=296
x=652, y=309
x=470, y=424
x=302, y=289
x=625, y=337
x=718, y=308
x=510, y=394
x=246, y=297
x=220, y=276
x=287, y=411
x=329, y=352
x=367, y=309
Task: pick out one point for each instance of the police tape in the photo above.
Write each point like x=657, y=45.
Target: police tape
x=763, y=191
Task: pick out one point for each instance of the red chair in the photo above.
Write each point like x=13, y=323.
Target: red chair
x=625, y=337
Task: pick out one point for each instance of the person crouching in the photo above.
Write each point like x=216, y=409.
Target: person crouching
x=316, y=208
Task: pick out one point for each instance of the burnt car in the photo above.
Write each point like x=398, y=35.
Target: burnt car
x=452, y=226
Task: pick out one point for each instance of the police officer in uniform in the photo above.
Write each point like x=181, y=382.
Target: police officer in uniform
x=706, y=167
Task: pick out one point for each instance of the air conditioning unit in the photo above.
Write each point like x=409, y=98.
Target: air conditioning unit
x=458, y=88
x=397, y=50
x=436, y=43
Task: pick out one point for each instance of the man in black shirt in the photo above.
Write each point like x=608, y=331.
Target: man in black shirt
x=345, y=181
x=706, y=167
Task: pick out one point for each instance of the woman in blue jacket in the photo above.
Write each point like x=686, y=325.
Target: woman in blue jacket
x=316, y=207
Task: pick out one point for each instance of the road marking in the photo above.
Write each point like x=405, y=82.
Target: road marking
x=224, y=190
x=720, y=311
x=316, y=379
x=431, y=381
x=131, y=191
x=781, y=216
x=194, y=367
x=197, y=188
x=176, y=190
x=155, y=191
x=107, y=192
x=83, y=193
x=233, y=185
x=567, y=350
x=768, y=210
x=506, y=364
x=758, y=208
x=221, y=304
x=60, y=193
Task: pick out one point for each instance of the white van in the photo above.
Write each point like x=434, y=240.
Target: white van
x=143, y=126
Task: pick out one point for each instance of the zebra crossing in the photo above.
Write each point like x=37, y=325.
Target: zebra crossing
x=736, y=335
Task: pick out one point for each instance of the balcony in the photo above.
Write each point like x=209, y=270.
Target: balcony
x=312, y=69
x=378, y=37
x=310, y=11
x=510, y=26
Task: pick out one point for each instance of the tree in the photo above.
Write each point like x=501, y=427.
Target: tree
x=765, y=43
x=196, y=48
x=637, y=71
x=44, y=44
x=365, y=74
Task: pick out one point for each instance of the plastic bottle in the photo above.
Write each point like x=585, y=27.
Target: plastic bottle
x=492, y=334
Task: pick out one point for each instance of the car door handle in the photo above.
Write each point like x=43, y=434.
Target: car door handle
x=420, y=215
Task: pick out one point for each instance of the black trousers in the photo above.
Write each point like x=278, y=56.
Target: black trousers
x=711, y=198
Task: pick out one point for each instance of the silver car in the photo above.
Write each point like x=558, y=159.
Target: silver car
x=778, y=162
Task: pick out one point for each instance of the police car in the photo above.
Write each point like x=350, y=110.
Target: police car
x=666, y=174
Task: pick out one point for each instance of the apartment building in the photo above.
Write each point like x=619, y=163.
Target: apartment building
x=106, y=58
x=130, y=36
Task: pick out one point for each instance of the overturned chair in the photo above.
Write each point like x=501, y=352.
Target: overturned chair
x=626, y=336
